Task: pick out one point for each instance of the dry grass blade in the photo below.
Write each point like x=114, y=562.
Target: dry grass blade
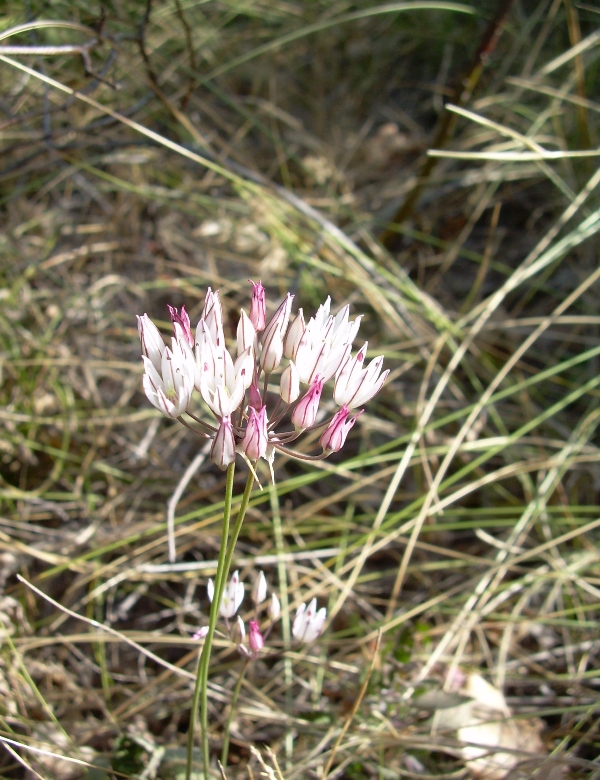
x=457, y=532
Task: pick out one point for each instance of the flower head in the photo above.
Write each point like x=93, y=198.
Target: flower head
x=235, y=381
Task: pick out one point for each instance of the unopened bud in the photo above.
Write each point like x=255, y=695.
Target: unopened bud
x=289, y=384
x=305, y=413
x=256, y=640
x=258, y=309
x=259, y=589
x=274, y=610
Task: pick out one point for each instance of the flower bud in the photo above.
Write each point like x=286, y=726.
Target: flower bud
x=254, y=443
x=289, y=384
x=201, y=633
x=259, y=589
x=333, y=437
x=181, y=325
x=223, y=448
x=274, y=610
x=258, y=309
x=237, y=633
x=256, y=640
x=305, y=413
x=254, y=397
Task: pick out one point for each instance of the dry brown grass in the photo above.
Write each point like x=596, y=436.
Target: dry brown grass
x=461, y=523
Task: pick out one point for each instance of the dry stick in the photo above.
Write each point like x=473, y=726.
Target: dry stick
x=357, y=703
x=108, y=630
x=174, y=500
x=461, y=94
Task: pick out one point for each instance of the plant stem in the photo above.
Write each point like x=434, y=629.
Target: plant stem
x=234, y=699
x=200, y=690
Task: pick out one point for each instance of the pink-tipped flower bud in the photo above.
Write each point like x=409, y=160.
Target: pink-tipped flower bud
x=258, y=308
x=181, y=324
x=289, y=384
x=201, y=633
x=223, y=448
x=254, y=443
x=294, y=335
x=305, y=413
x=256, y=640
x=259, y=589
x=333, y=437
x=254, y=396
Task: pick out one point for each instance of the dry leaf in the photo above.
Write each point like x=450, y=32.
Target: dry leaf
x=493, y=742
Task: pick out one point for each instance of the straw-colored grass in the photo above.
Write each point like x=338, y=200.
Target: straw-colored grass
x=459, y=527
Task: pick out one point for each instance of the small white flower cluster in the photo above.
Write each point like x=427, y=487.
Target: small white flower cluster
x=235, y=390
x=307, y=625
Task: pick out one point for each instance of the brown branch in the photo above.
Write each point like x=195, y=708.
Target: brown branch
x=459, y=95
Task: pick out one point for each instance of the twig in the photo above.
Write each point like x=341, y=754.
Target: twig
x=460, y=95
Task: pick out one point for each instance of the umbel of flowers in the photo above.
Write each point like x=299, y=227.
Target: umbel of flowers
x=306, y=627
x=301, y=356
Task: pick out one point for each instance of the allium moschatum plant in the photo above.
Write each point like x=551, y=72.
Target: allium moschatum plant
x=226, y=395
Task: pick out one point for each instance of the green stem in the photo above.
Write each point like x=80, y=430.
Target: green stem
x=200, y=689
x=234, y=699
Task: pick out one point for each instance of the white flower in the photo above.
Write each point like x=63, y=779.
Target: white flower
x=272, y=337
x=354, y=385
x=308, y=622
x=233, y=595
x=223, y=383
x=171, y=389
x=152, y=342
x=325, y=344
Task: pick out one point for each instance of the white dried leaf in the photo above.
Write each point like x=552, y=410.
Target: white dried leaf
x=493, y=742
